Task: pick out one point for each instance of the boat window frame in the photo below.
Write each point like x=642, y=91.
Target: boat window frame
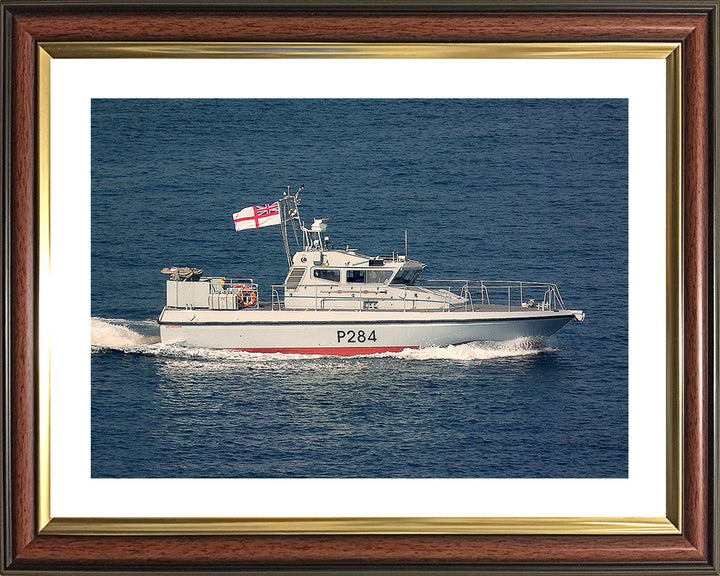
x=387, y=273
x=324, y=269
x=361, y=271
x=411, y=273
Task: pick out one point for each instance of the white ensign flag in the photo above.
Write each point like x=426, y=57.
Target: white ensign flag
x=257, y=217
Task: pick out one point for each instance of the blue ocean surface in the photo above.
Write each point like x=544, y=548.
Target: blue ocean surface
x=533, y=190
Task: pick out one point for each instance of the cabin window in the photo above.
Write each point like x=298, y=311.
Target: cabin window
x=327, y=274
x=377, y=276
x=406, y=276
x=355, y=276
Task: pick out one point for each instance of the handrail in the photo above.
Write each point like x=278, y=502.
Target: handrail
x=218, y=284
x=525, y=292
x=475, y=293
x=275, y=298
x=244, y=287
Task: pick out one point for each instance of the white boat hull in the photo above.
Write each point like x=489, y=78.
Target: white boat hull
x=350, y=333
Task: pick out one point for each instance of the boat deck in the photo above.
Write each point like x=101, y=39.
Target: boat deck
x=475, y=308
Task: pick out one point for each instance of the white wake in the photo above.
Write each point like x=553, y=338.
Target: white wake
x=475, y=351
x=118, y=335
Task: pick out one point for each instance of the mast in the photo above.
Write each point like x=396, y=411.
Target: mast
x=290, y=215
x=313, y=238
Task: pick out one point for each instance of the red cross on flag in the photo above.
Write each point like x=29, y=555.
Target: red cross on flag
x=257, y=217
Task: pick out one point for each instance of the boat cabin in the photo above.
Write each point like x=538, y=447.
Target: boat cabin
x=347, y=280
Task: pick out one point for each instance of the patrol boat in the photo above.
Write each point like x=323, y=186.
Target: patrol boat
x=341, y=302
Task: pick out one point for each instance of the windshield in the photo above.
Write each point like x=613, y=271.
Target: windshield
x=406, y=276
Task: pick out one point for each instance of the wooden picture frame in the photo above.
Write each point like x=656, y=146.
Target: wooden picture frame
x=29, y=546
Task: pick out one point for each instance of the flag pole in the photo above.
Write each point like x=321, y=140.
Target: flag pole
x=283, y=224
x=289, y=213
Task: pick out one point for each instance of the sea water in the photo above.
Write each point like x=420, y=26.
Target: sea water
x=487, y=189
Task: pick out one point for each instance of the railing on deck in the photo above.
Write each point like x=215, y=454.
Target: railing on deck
x=326, y=297
x=277, y=303
x=476, y=293
x=538, y=295
x=242, y=288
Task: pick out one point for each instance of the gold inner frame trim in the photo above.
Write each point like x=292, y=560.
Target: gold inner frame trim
x=556, y=50
x=673, y=288
x=436, y=525
x=43, y=275
x=289, y=526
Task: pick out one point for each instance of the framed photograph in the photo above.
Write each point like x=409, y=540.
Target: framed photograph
x=570, y=146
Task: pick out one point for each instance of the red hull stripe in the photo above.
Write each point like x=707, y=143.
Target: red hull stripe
x=356, y=351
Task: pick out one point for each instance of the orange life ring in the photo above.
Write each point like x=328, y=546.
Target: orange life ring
x=247, y=296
